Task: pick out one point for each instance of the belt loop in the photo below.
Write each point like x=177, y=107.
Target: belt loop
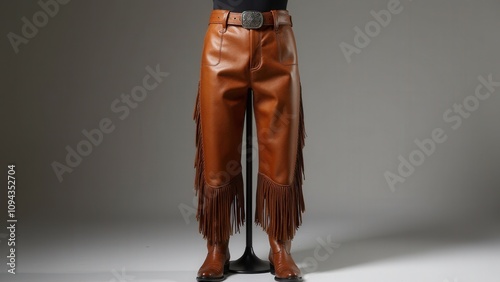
x=225, y=17
x=276, y=20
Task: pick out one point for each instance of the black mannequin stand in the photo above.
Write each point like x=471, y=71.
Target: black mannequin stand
x=249, y=262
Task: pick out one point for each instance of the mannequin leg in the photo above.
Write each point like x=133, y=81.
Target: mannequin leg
x=281, y=133
x=219, y=115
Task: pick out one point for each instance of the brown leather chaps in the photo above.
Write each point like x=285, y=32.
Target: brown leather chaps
x=235, y=59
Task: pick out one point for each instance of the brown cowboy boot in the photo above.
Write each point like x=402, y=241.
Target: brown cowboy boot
x=216, y=264
x=282, y=264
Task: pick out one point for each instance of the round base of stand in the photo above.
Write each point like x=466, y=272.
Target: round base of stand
x=249, y=263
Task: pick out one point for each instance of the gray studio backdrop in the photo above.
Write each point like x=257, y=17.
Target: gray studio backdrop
x=401, y=104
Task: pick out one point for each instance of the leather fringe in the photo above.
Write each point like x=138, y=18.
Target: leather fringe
x=199, y=160
x=220, y=210
x=279, y=208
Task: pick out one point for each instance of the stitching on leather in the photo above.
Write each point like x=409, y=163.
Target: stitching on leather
x=221, y=32
x=260, y=54
x=235, y=178
x=278, y=184
x=279, y=36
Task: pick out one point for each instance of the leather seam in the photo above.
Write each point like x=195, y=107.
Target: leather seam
x=235, y=178
x=221, y=32
x=276, y=183
x=257, y=67
x=280, y=53
x=296, y=151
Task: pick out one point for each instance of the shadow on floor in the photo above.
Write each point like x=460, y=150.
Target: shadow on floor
x=328, y=255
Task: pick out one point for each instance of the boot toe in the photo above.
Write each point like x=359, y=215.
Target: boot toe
x=288, y=274
x=213, y=272
x=210, y=273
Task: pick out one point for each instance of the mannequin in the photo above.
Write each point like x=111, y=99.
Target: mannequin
x=249, y=44
x=255, y=5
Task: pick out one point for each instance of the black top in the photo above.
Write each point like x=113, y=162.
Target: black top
x=245, y=5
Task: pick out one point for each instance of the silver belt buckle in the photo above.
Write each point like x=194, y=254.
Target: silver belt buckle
x=252, y=19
